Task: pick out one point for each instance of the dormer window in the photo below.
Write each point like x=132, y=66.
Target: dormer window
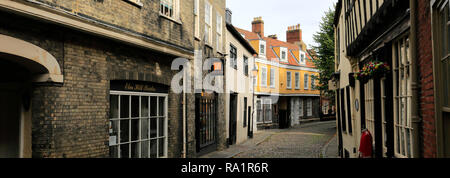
x=283, y=54
x=262, y=48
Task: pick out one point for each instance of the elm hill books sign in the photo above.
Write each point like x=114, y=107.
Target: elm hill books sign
x=138, y=86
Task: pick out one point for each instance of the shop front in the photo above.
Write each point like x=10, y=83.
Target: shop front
x=138, y=120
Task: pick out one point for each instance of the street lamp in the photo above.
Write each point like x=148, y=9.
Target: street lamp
x=254, y=75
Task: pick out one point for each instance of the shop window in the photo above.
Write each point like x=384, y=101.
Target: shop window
x=267, y=111
x=138, y=125
x=369, y=106
x=309, y=107
x=259, y=110
x=441, y=39
x=403, y=131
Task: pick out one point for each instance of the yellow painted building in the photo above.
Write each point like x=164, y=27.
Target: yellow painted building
x=286, y=80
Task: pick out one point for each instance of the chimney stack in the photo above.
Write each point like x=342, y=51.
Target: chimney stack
x=294, y=34
x=258, y=26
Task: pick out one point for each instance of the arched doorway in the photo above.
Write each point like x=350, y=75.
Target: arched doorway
x=21, y=64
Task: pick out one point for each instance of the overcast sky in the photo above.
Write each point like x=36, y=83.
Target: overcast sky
x=279, y=14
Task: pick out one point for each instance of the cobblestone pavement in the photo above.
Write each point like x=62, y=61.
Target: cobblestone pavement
x=310, y=140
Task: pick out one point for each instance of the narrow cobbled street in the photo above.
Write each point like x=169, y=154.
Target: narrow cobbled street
x=309, y=140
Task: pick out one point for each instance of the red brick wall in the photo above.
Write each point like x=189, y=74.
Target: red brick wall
x=294, y=36
x=258, y=27
x=425, y=61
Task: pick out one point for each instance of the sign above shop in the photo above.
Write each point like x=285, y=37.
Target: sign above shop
x=138, y=86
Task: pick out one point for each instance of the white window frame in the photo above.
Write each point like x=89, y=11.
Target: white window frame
x=313, y=82
x=289, y=80
x=157, y=117
x=297, y=80
x=262, y=51
x=208, y=23
x=272, y=77
x=219, y=21
x=306, y=82
x=403, y=130
x=283, y=50
x=175, y=9
x=302, y=58
x=197, y=19
x=136, y=2
x=369, y=103
x=264, y=76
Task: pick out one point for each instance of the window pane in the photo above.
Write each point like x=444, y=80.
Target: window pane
x=113, y=151
x=153, y=148
x=134, y=129
x=135, y=150
x=124, y=151
x=153, y=105
x=114, y=130
x=161, y=147
x=124, y=106
x=161, y=106
x=135, y=106
x=144, y=128
x=144, y=106
x=144, y=149
x=114, y=106
x=153, y=126
x=124, y=131
x=161, y=127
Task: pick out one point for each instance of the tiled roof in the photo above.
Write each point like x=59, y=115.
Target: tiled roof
x=271, y=43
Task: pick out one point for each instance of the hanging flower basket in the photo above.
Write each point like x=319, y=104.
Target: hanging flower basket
x=371, y=70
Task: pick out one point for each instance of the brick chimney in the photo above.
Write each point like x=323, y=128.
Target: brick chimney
x=294, y=34
x=258, y=26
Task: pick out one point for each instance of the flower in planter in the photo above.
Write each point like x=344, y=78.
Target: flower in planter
x=371, y=69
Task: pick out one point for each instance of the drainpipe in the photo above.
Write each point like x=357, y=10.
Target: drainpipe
x=416, y=120
x=184, y=115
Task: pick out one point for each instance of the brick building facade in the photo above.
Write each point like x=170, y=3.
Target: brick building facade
x=104, y=50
